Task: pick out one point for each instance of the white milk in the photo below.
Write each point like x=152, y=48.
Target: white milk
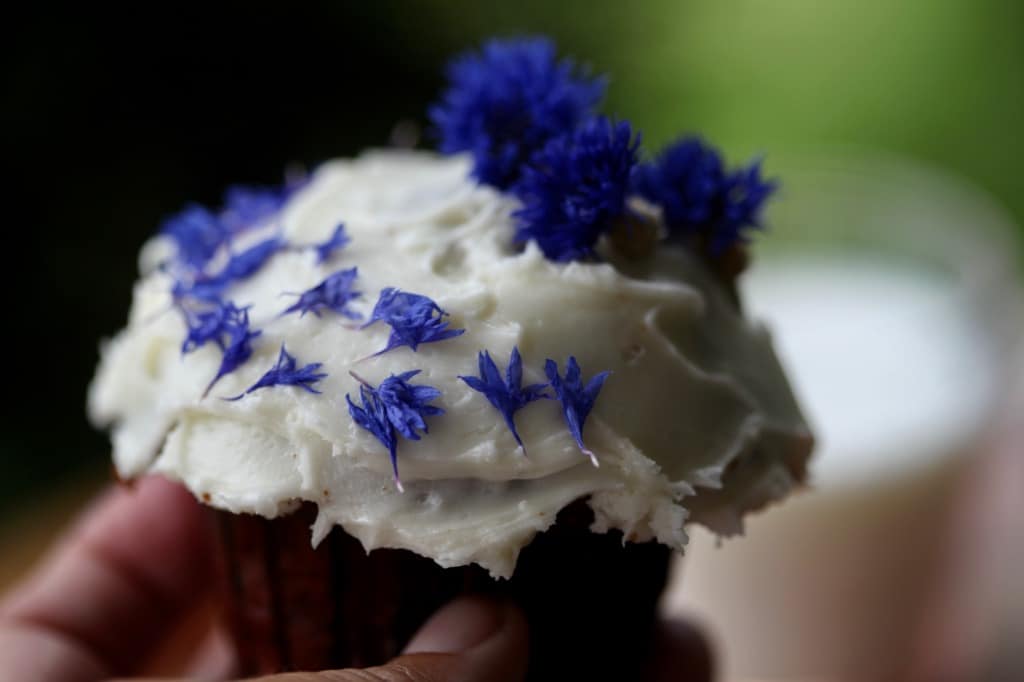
x=880, y=353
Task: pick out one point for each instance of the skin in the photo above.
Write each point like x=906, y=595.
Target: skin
x=137, y=561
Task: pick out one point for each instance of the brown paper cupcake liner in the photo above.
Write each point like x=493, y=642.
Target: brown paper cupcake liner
x=590, y=599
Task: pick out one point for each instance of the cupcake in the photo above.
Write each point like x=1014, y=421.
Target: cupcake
x=516, y=366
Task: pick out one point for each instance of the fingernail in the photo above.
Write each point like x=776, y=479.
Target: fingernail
x=459, y=626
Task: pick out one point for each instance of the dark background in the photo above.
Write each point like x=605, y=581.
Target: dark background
x=114, y=118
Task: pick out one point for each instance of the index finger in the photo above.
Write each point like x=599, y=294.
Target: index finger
x=111, y=588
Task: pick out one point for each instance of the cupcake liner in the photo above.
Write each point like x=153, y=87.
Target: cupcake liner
x=590, y=599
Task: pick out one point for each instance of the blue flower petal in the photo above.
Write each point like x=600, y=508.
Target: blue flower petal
x=246, y=206
x=197, y=234
x=396, y=406
x=337, y=241
x=699, y=197
x=334, y=293
x=213, y=321
x=508, y=396
x=577, y=400
x=287, y=373
x=505, y=102
x=236, y=347
x=414, y=319
x=575, y=188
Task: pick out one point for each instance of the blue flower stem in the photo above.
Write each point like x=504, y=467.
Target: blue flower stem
x=208, y=388
x=361, y=380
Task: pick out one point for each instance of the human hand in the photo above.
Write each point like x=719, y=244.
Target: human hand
x=139, y=560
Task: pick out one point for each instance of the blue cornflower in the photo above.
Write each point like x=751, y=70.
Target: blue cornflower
x=699, y=197
x=212, y=323
x=743, y=195
x=577, y=400
x=338, y=240
x=507, y=101
x=508, y=394
x=394, y=406
x=373, y=417
x=686, y=180
x=575, y=188
x=202, y=289
x=246, y=206
x=240, y=266
x=414, y=319
x=236, y=347
x=197, y=233
x=334, y=293
x=245, y=264
x=287, y=373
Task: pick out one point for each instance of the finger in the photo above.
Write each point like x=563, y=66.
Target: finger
x=459, y=626
x=214, y=659
x=111, y=588
x=681, y=652
x=470, y=640
x=199, y=647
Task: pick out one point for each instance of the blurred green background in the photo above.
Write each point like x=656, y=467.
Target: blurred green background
x=938, y=80
x=115, y=118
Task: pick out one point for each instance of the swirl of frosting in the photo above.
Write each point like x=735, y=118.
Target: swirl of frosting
x=695, y=423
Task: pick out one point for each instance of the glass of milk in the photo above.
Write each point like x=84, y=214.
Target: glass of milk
x=893, y=296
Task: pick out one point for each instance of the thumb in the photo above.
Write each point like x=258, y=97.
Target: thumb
x=472, y=639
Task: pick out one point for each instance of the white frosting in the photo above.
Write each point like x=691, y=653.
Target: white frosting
x=695, y=389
